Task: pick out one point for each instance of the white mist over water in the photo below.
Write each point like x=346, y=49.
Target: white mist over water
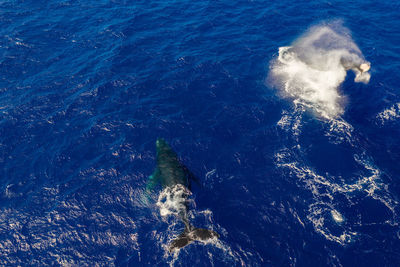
x=311, y=70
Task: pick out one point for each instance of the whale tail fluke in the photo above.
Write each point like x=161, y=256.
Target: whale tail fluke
x=187, y=237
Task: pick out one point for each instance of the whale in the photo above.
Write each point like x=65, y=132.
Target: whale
x=357, y=65
x=175, y=180
x=325, y=61
x=348, y=61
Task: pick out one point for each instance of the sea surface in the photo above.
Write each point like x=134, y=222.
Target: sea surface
x=298, y=159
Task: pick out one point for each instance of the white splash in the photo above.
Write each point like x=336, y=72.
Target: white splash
x=173, y=200
x=311, y=70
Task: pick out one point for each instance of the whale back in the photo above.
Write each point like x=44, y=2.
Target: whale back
x=170, y=170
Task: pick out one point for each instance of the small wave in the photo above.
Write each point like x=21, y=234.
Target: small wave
x=313, y=67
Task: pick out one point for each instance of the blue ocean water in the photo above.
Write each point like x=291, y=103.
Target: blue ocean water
x=86, y=88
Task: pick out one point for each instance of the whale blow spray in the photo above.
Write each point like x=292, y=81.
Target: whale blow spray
x=313, y=67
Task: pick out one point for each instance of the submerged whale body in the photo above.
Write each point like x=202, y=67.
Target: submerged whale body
x=175, y=180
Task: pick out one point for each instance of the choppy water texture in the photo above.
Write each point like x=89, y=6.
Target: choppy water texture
x=298, y=159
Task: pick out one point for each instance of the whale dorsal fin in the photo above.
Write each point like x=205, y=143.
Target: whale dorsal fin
x=190, y=175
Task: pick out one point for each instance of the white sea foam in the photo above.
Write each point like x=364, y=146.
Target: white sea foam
x=325, y=188
x=313, y=67
x=292, y=121
x=323, y=211
x=337, y=216
x=173, y=200
x=319, y=213
x=390, y=114
x=340, y=131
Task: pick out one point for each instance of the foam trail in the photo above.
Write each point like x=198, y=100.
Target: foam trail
x=325, y=189
x=313, y=67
